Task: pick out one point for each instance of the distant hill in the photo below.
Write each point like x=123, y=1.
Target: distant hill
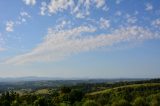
x=133, y=87
x=30, y=78
x=34, y=78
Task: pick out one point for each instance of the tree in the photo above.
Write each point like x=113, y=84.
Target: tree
x=75, y=95
x=90, y=103
x=65, y=90
x=6, y=103
x=15, y=103
x=139, y=101
x=40, y=102
x=102, y=100
x=154, y=103
x=121, y=103
x=155, y=100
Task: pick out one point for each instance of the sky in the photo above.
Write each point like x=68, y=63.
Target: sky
x=80, y=38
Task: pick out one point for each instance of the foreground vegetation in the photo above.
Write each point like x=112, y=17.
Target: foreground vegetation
x=132, y=93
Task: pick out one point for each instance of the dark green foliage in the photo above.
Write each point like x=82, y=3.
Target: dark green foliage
x=90, y=103
x=64, y=97
x=75, y=95
x=121, y=103
x=5, y=103
x=7, y=98
x=29, y=98
x=65, y=90
x=139, y=101
x=40, y=102
x=154, y=100
x=102, y=100
x=155, y=103
x=15, y=103
x=54, y=93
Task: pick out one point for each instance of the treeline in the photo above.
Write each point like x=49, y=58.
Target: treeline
x=135, y=93
x=130, y=95
x=63, y=96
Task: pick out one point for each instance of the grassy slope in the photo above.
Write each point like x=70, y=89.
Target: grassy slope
x=42, y=91
x=123, y=87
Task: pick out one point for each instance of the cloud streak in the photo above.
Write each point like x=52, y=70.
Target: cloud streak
x=29, y=2
x=58, y=45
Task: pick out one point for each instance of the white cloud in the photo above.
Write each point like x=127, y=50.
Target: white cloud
x=63, y=24
x=23, y=20
x=82, y=8
x=148, y=7
x=131, y=19
x=79, y=9
x=30, y=2
x=23, y=17
x=24, y=14
x=59, y=44
x=156, y=23
x=9, y=26
x=56, y=45
x=59, y=5
x=104, y=23
x=118, y=1
x=43, y=8
x=105, y=8
x=99, y=3
x=136, y=12
x=118, y=13
x=80, y=15
x=1, y=43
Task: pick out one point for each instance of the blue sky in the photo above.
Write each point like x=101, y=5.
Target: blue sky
x=80, y=38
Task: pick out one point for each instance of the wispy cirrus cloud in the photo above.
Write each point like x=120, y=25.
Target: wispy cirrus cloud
x=60, y=5
x=29, y=2
x=104, y=23
x=24, y=14
x=2, y=41
x=64, y=42
x=60, y=44
x=118, y=1
x=149, y=6
x=79, y=9
x=99, y=3
x=10, y=26
x=22, y=18
x=118, y=13
x=156, y=23
x=131, y=19
x=43, y=8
